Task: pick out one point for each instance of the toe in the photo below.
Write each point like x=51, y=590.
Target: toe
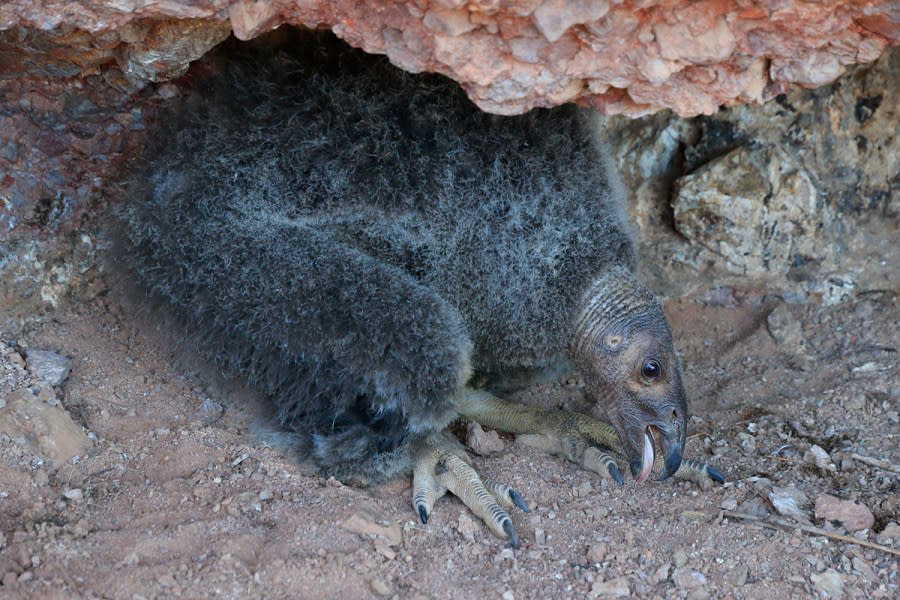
x=426, y=485
x=602, y=463
x=505, y=495
x=511, y=534
x=715, y=474
x=518, y=500
x=462, y=479
x=700, y=473
x=441, y=466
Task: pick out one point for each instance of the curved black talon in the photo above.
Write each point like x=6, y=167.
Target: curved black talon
x=715, y=474
x=518, y=500
x=511, y=534
x=635, y=465
x=423, y=514
x=615, y=473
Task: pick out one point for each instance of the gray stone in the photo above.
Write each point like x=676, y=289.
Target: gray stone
x=789, y=501
x=50, y=367
x=830, y=583
x=687, y=579
x=211, y=411
x=890, y=534
x=737, y=575
x=614, y=588
x=818, y=457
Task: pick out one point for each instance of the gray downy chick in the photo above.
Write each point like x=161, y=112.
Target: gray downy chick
x=357, y=242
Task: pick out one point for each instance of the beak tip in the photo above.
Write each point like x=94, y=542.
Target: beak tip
x=672, y=462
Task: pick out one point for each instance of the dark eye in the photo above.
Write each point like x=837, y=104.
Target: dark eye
x=651, y=369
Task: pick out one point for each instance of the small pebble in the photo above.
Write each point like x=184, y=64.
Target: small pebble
x=483, y=443
x=467, y=527
x=753, y=506
x=829, y=583
x=737, y=576
x=818, y=457
x=865, y=569
x=211, y=411
x=369, y=521
x=614, y=588
x=890, y=533
x=16, y=359
x=596, y=552
x=789, y=501
x=75, y=495
x=81, y=529
x=380, y=587
x=383, y=549
x=688, y=579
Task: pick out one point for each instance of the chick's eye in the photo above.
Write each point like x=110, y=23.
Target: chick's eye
x=651, y=369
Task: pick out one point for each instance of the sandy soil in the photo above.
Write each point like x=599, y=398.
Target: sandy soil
x=174, y=494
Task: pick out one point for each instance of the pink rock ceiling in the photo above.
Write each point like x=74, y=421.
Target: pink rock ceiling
x=629, y=56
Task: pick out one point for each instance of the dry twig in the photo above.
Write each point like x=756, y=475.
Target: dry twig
x=786, y=526
x=875, y=462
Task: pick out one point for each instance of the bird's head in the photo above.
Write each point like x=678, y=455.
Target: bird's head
x=623, y=348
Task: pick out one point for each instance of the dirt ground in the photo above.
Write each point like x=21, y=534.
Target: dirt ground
x=173, y=494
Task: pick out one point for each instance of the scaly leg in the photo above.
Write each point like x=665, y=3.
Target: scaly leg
x=440, y=464
x=592, y=444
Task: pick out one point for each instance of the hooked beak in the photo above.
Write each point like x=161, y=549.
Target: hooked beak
x=661, y=443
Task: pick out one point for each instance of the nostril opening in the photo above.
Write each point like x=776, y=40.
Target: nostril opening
x=674, y=415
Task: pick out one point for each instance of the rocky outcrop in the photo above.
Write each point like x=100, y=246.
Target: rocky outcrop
x=800, y=195
x=619, y=57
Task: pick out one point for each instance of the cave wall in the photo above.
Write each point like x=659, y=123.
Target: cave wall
x=798, y=194
x=619, y=56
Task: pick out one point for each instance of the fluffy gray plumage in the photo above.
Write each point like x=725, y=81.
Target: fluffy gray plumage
x=357, y=241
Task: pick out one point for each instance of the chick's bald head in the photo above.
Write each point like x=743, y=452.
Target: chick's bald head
x=623, y=348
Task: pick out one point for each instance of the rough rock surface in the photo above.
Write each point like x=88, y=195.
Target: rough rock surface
x=801, y=193
x=625, y=56
x=852, y=515
x=50, y=367
x=31, y=414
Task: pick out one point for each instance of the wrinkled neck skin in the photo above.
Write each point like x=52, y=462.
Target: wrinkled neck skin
x=615, y=303
x=618, y=330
